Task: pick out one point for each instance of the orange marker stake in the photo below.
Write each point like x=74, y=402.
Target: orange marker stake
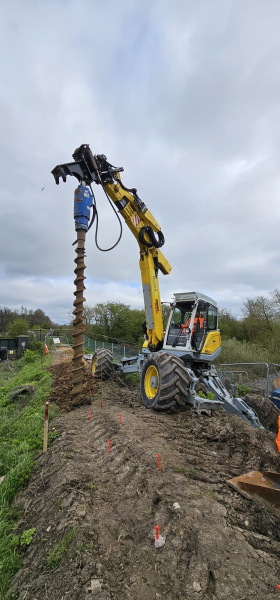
x=109, y=445
x=157, y=528
x=159, y=465
x=120, y=418
x=101, y=403
x=89, y=415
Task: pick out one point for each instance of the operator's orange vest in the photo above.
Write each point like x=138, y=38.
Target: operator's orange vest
x=201, y=323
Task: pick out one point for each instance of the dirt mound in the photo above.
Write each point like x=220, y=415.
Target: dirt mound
x=267, y=412
x=95, y=511
x=61, y=389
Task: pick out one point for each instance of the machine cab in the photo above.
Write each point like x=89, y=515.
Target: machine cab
x=193, y=325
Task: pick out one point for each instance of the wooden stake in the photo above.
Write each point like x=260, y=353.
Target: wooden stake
x=46, y=427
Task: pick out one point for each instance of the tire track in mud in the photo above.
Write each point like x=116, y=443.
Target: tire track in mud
x=116, y=498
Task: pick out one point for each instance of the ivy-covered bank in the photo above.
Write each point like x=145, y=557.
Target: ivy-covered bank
x=21, y=438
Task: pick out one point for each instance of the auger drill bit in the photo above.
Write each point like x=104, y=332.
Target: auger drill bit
x=79, y=326
x=85, y=169
x=82, y=206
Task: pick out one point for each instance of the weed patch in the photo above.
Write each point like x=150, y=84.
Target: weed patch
x=133, y=379
x=27, y=537
x=187, y=471
x=56, y=554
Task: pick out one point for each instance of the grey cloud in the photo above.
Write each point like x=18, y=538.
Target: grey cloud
x=185, y=96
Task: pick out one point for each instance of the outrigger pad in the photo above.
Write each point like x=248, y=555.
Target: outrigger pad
x=266, y=485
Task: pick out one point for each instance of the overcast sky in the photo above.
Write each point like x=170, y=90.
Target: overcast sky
x=185, y=95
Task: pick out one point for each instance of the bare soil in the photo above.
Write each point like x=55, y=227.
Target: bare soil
x=218, y=545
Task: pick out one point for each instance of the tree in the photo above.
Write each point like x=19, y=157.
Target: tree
x=6, y=317
x=18, y=327
x=88, y=314
x=230, y=326
x=38, y=317
x=116, y=320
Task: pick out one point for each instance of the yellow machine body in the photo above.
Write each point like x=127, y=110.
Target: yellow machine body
x=135, y=221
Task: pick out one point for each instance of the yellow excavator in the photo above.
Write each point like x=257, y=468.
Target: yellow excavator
x=176, y=365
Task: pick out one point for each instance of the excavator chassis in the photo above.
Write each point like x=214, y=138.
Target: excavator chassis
x=209, y=378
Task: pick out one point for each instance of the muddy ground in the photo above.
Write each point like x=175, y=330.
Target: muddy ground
x=218, y=544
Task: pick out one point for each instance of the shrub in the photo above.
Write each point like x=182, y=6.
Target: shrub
x=29, y=356
x=36, y=346
x=18, y=327
x=234, y=351
x=243, y=390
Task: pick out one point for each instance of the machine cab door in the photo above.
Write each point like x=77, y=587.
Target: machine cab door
x=199, y=326
x=189, y=325
x=179, y=333
x=205, y=321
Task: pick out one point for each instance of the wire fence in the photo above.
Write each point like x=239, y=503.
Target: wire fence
x=260, y=378
x=119, y=351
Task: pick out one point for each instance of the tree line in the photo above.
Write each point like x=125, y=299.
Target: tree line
x=258, y=326
x=17, y=322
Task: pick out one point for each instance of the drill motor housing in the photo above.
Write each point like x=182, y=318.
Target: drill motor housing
x=82, y=204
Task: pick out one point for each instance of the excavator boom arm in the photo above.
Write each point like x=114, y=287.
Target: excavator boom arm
x=88, y=168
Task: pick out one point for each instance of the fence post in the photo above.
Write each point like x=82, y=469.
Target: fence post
x=112, y=348
x=95, y=344
x=267, y=382
x=124, y=351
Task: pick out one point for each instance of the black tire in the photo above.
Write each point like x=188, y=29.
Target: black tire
x=102, y=364
x=170, y=390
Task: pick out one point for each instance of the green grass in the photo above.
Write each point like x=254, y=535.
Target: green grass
x=185, y=470
x=21, y=438
x=133, y=379
x=59, y=504
x=56, y=554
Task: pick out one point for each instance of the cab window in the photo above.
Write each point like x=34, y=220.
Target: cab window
x=212, y=318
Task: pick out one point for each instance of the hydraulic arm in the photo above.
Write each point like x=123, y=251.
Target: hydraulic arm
x=88, y=168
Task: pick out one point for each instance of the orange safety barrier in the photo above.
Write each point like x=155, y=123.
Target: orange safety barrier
x=278, y=436
x=46, y=349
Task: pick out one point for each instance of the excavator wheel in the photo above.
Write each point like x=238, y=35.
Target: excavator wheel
x=164, y=382
x=102, y=363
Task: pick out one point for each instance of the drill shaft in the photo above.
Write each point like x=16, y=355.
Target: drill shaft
x=78, y=323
